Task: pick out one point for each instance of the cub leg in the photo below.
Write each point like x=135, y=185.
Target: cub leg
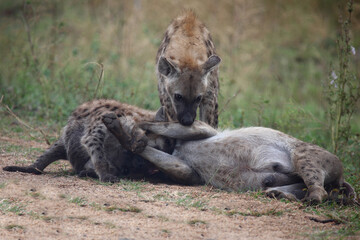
x=93, y=140
x=125, y=130
x=55, y=152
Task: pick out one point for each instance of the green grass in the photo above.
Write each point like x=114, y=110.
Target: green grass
x=196, y=222
x=13, y=227
x=109, y=225
x=114, y=208
x=130, y=185
x=10, y=206
x=348, y=216
x=122, y=209
x=191, y=202
x=82, y=218
x=252, y=213
x=41, y=216
x=162, y=196
x=36, y=195
x=80, y=201
x=23, y=151
x=166, y=231
x=182, y=199
x=163, y=218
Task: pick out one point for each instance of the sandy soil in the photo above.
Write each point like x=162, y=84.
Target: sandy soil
x=58, y=205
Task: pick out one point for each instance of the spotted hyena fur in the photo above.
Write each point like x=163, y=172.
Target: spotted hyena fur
x=92, y=150
x=187, y=72
x=251, y=158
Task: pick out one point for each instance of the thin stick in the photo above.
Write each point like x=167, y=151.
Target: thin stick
x=324, y=221
x=24, y=123
x=101, y=77
x=28, y=33
x=228, y=101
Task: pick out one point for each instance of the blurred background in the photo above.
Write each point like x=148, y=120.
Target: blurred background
x=276, y=58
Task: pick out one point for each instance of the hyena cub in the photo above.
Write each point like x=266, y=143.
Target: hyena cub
x=187, y=71
x=92, y=150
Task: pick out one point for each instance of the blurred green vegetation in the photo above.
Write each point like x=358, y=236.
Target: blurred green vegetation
x=276, y=57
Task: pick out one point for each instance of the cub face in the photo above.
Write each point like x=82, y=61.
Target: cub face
x=186, y=87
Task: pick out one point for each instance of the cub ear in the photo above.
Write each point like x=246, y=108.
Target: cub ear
x=160, y=115
x=212, y=62
x=166, y=68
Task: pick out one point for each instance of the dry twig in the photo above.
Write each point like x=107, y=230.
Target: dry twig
x=228, y=101
x=23, y=123
x=101, y=76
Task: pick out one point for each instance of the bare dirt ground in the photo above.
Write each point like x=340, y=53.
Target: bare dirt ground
x=58, y=205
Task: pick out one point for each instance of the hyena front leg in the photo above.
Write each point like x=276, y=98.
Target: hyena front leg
x=93, y=141
x=198, y=130
x=124, y=129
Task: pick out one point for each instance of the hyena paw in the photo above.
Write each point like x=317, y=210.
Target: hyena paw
x=110, y=120
x=139, y=141
x=109, y=178
x=87, y=173
x=113, y=124
x=275, y=193
x=316, y=194
x=130, y=136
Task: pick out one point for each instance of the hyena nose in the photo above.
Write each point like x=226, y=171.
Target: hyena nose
x=187, y=119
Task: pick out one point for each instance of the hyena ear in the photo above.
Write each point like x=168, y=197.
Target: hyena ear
x=160, y=115
x=166, y=68
x=212, y=62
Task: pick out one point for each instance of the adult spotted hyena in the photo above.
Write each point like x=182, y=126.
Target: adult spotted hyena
x=251, y=158
x=187, y=71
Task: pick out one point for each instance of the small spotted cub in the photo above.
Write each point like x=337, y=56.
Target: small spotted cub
x=92, y=150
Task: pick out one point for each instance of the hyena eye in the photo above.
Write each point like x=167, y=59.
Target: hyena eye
x=178, y=97
x=198, y=99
